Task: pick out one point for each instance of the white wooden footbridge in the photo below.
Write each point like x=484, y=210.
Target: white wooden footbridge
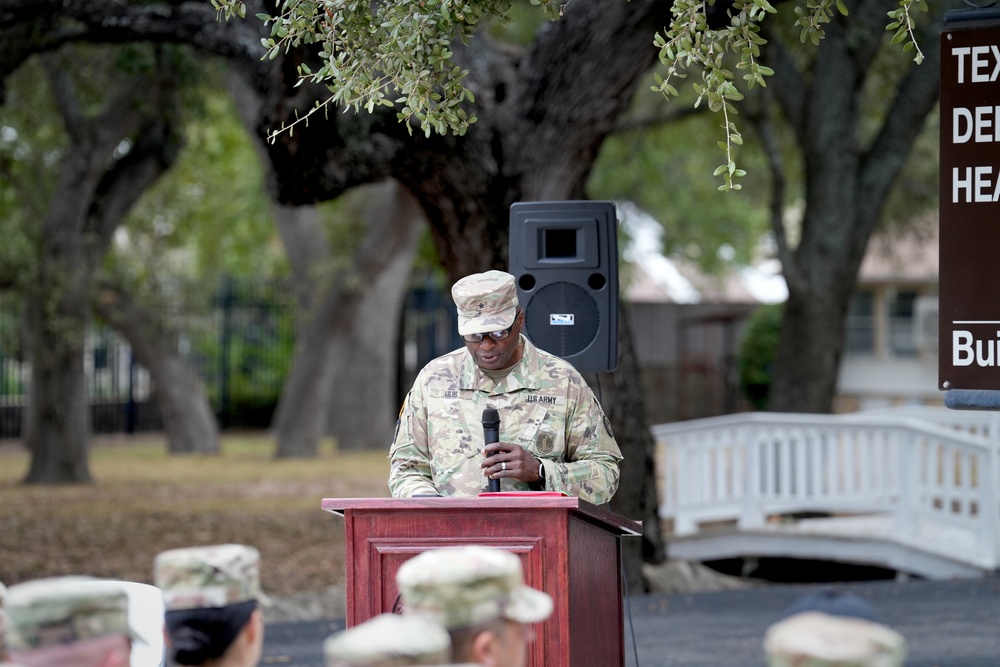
x=914, y=489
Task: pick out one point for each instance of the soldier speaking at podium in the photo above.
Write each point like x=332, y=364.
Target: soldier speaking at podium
x=553, y=434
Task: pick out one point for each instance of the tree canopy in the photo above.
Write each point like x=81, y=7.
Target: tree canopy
x=400, y=55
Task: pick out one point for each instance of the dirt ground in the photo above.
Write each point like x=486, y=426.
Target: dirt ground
x=143, y=502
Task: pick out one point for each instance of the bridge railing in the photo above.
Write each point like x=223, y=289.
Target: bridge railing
x=753, y=467
x=982, y=423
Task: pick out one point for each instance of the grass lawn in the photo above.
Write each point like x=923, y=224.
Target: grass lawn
x=143, y=501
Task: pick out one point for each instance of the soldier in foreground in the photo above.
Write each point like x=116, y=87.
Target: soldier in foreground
x=68, y=622
x=832, y=629
x=478, y=594
x=389, y=640
x=210, y=595
x=554, y=435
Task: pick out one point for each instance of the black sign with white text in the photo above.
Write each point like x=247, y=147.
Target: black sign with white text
x=969, y=320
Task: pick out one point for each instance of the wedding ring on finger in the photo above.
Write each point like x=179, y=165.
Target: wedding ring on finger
x=503, y=465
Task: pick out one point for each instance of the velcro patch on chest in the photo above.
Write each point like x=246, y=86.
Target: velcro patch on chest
x=444, y=393
x=546, y=400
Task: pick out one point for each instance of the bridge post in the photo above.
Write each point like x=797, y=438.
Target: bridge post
x=751, y=513
x=989, y=538
x=908, y=466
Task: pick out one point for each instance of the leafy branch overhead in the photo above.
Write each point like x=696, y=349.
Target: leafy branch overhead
x=383, y=53
x=398, y=54
x=690, y=42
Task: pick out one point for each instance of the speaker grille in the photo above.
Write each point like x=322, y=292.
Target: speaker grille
x=562, y=299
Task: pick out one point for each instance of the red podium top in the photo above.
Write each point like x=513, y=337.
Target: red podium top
x=614, y=523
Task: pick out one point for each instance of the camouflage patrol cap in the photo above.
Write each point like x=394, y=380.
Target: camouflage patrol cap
x=64, y=610
x=389, y=640
x=205, y=577
x=815, y=639
x=485, y=301
x=465, y=586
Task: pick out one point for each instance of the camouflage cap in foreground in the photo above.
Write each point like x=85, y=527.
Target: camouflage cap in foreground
x=389, y=640
x=465, y=586
x=815, y=639
x=206, y=577
x=64, y=610
x=485, y=301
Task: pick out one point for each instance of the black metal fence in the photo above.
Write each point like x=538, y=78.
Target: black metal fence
x=242, y=347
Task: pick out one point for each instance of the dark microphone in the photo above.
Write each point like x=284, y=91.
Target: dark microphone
x=491, y=433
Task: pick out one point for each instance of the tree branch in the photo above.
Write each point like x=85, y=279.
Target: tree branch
x=668, y=114
x=64, y=93
x=32, y=26
x=159, y=143
x=915, y=97
x=866, y=30
x=788, y=85
x=776, y=204
x=569, y=92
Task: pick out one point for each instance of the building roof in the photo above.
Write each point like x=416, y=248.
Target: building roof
x=653, y=277
x=908, y=256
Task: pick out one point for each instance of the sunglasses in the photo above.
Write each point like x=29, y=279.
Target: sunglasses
x=494, y=335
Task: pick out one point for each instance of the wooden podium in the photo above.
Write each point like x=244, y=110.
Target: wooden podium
x=569, y=548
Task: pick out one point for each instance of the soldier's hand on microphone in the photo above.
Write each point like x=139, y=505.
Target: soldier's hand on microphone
x=505, y=460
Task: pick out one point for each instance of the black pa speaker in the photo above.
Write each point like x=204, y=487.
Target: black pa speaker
x=564, y=259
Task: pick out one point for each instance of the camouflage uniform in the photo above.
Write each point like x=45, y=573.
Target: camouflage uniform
x=815, y=639
x=61, y=611
x=460, y=587
x=389, y=640
x=545, y=407
x=207, y=577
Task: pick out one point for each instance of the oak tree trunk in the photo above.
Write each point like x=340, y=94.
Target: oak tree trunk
x=850, y=166
x=188, y=418
x=95, y=186
x=57, y=416
x=343, y=350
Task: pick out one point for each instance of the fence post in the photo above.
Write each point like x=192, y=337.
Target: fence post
x=226, y=301
x=130, y=406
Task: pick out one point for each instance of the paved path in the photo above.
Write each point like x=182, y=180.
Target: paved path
x=946, y=624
